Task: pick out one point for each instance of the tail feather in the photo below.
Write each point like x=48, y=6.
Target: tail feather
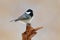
x=11, y=20
x=14, y=20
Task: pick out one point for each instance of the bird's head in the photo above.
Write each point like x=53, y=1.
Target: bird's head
x=29, y=12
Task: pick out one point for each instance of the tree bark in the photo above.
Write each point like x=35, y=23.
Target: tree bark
x=30, y=32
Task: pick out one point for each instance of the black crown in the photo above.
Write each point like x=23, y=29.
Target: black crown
x=31, y=12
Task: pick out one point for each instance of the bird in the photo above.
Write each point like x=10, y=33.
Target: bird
x=26, y=17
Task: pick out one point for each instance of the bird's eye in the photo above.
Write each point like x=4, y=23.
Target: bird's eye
x=27, y=12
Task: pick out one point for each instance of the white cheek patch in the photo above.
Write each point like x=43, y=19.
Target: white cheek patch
x=27, y=12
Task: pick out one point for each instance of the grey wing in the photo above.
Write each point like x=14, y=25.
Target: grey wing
x=20, y=18
x=23, y=17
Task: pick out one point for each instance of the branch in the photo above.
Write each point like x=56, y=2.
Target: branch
x=30, y=32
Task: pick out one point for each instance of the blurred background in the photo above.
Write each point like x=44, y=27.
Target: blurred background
x=46, y=14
